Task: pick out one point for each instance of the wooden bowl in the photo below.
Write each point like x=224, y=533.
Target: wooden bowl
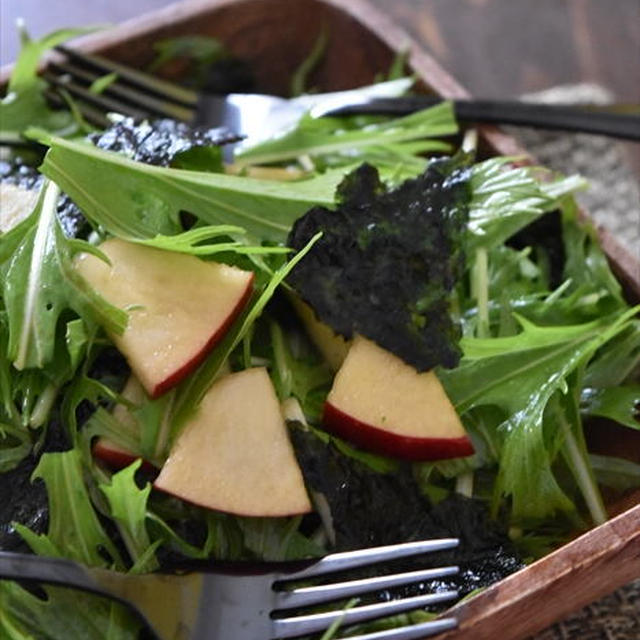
x=274, y=36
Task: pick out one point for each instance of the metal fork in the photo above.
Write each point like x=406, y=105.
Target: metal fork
x=258, y=116
x=242, y=603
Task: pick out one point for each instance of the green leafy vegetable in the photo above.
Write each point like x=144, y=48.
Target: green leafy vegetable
x=388, y=261
x=24, y=616
x=620, y=404
x=24, y=104
x=101, y=84
x=128, y=507
x=566, y=431
x=520, y=374
x=74, y=528
x=305, y=68
x=321, y=136
x=194, y=242
x=277, y=539
x=506, y=198
x=40, y=283
x=190, y=393
x=103, y=424
x=617, y=473
x=617, y=362
x=148, y=199
x=301, y=377
x=200, y=51
x=586, y=265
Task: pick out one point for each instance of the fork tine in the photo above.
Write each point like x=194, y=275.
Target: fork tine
x=89, y=113
x=140, y=79
x=307, y=596
x=101, y=101
x=363, y=557
x=129, y=94
x=315, y=622
x=412, y=632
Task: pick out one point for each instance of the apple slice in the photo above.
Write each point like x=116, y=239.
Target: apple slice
x=179, y=307
x=235, y=454
x=110, y=452
x=17, y=204
x=331, y=345
x=384, y=405
x=114, y=455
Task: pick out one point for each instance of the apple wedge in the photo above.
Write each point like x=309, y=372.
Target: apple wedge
x=17, y=204
x=382, y=404
x=110, y=452
x=179, y=307
x=115, y=456
x=332, y=346
x=235, y=455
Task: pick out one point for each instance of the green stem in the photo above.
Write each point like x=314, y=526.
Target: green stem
x=280, y=360
x=583, y=474
x=164, y=432
x=480, y=289
x=40, y=413
x=333, y=629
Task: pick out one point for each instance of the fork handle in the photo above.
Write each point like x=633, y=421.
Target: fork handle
x=528, y=114
x=58, y=571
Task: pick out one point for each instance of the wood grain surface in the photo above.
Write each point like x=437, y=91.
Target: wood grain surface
x=556, y=585
x=496, y=48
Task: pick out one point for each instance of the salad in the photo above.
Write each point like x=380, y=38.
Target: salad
x=358, y=333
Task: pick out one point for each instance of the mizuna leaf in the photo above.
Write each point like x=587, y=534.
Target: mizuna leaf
x=189, y=394
x=326, y=136
x=40, y=283
x=25, y=105
x=26, y=616
x=507, y=198
x=128, y=505
x=621, y=404
x=135, y=200
x=74, y=528
x=616, y=472
x=519, y=374
x=195, y=242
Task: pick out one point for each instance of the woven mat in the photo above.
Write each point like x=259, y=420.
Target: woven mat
x=613, y=200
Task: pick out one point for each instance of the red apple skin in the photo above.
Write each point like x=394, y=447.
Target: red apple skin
x=234, y=512
x=117, y=458
x=392, y=444
x=181, y=373
x=183, y=314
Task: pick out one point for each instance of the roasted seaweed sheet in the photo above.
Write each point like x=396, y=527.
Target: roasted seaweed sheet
x=369, y=508
x=388, y=260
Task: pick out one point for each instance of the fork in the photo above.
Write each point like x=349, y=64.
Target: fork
x=253, y=603
x=258, y=116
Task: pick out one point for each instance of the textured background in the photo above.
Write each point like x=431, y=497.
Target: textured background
x=613, y=200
